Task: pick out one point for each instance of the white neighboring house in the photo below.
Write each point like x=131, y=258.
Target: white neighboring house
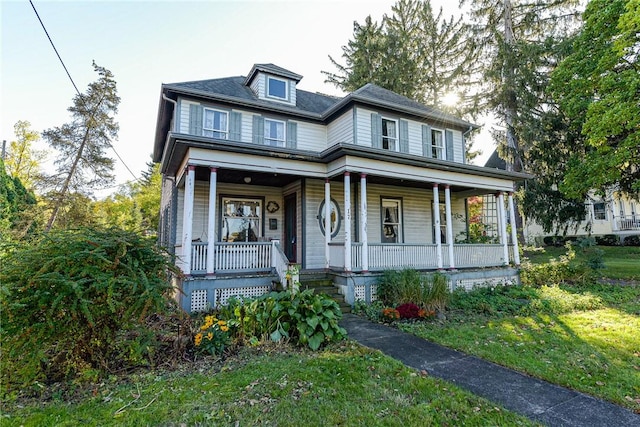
x=255, y=170
x=614, y=214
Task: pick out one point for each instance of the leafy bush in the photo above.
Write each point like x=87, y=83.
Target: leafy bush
x=408, y=311
x=390, y=314
x=632, y=240
x=371, y=311
x=74, y=304
x=304, y=317
x=608, y=240
x=565, y=270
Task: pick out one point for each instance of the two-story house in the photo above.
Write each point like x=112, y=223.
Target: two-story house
x=259, y=175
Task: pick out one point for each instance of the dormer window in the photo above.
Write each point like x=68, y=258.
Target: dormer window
x=277, y=88
x=215, y=124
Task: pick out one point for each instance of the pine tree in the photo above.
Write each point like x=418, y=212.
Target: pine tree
x=82, y=163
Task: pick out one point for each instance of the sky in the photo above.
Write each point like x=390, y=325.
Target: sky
x=148, y=43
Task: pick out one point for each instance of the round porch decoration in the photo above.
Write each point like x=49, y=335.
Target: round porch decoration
x=272, y=207
x=336, y=219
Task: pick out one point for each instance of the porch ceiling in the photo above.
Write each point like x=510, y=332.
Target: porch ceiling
x=238, y=177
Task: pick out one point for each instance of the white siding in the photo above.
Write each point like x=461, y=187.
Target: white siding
x=363, y=121
x=314, y=239
x=312, y=137
x=341, y=129
x=258, y=85
x=201, y=207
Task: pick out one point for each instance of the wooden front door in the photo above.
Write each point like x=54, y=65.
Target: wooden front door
x=290, y=227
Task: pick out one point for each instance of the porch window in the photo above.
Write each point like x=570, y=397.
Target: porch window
x=600, y=211
x=215, y=124
x=389, y=134
x=391, y=221
x=443, y=223
x=241, y=219
x=437, y=144
x=274, y=133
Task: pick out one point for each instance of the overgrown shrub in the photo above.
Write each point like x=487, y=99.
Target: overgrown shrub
x=564, y=270
x=632, y=240
x=608, y=240
x=74, y=304
x=304, y=317
x=430, y=292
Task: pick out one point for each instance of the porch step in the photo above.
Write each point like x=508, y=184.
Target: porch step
x=323, y=285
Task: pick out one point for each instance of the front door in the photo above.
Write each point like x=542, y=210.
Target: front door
x=290, y=227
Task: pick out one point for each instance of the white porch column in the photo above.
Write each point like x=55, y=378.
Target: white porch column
x=363, y=222
x=187, y=219
x=447, y=209
x=436, y=225
x=347, y=221
x=327, y=222
x=514, y=232
x=502, y=216
x=211, y=225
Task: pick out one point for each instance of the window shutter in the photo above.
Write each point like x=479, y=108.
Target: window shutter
x=426, y=141
x=195, y=119
x=464, y=149
x=258, y=130
x=404, y=136
x=235, y=126
x=376, y=130
x=448, y=139
x=292, y=135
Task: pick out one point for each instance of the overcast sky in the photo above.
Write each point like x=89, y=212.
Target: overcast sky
x=147, y=43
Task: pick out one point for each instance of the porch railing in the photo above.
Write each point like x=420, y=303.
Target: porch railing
x=419, y=256
x=230, y=257
x=628, y=223
x=280, y=262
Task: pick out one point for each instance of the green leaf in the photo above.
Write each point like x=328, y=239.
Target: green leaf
x=316, y=340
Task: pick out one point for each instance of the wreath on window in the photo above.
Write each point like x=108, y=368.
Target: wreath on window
x=272, y=207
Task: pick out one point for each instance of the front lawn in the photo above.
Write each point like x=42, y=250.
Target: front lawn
x=585, y=338
x=345, y=384
x=621, y=262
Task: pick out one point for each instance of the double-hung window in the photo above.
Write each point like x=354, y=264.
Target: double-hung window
x=241, y=219
x=391, y=221
x=600, y=211
x=274, y=133
x=389, y=134
x=277, y=88
x=437, y=144
x=215, y=124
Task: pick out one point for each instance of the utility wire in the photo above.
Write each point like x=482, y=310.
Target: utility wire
x=76, y=87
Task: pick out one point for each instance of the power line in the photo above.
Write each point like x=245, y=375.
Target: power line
x=76, y=87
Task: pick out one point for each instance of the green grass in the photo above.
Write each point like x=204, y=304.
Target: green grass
x=585, y=338
x=621, y=262
x=343, y=385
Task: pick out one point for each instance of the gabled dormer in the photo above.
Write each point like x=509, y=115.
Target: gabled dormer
x=273, y=83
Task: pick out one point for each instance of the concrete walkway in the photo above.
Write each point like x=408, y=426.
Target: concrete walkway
x=537, y=399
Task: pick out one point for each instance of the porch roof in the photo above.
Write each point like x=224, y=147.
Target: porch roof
x=179, y=144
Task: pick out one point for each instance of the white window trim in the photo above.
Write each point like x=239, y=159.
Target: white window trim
x=267, y=140
x=604, y=211
x=441, y=148
x=286, y=89
x=400, y=236
x=396, y=138
x=258, y=217
x=205, y=129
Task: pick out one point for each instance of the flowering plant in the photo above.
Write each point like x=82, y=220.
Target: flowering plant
x=390, y=314
x=213, y=336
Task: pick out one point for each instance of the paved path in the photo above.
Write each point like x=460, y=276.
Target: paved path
x=539, y=400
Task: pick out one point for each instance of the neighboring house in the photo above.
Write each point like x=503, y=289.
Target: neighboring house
x=614, y=214
x=255, y=170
